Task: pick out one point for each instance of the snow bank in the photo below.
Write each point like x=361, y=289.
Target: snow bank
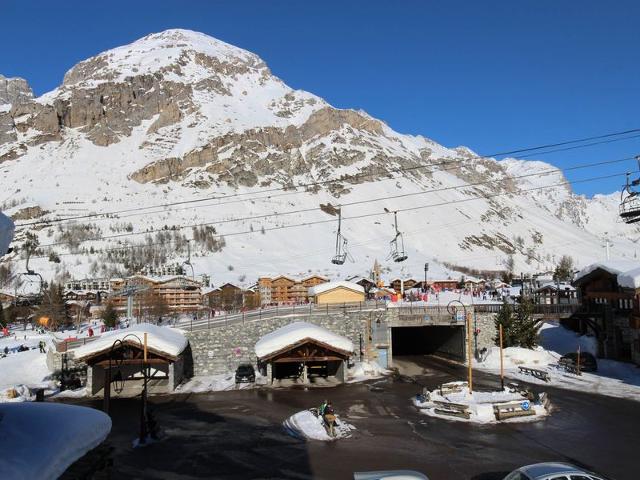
x=297, y=331
x=325, y=287
x=306, y=425
x=162, y=339
x=41, y=440
x=615, y=379
x=361, y=371
x=21, y=372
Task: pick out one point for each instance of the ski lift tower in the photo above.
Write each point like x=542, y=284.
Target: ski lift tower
x=130, y=291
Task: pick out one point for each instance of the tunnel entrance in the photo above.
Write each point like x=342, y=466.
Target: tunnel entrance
x=447, y=341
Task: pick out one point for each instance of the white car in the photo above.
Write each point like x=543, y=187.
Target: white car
x=552, y=471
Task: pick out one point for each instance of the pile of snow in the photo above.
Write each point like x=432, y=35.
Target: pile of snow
x=366, y=370
x=325, y=287
x=630, y=278
x=480, y=404
x=216, y=383
x=305, y=424
x=41, y=440
x=21, y=373
x=517, y=356
x=164, y=340
x=296, y=332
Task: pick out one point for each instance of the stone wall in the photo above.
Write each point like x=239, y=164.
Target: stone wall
x=222, y=349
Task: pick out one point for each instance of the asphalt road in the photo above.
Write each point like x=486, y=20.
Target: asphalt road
x=238, y=434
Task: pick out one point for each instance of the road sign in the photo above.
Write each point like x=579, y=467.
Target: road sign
x=525, y=405
x=459, y=317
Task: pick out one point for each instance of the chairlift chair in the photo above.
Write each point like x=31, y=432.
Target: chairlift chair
x=630, y=201
x=397, y=244
x=341, y=244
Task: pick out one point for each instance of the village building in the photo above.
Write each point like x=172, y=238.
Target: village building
x=400, y=285
x=336, y=292
x=608, y=298
x=283, y=289
x=180, y=294
x=88, y=285
x=556, y=293
x=446, y=284
x=303, y=352
x=115, y=360
x=230, y=297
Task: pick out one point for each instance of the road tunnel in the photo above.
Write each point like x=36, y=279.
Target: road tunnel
x=447, y=341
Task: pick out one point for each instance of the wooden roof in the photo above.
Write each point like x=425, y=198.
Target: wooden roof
x=307, y=350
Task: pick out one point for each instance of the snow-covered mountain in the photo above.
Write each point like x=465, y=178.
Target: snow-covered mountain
x=178, y=116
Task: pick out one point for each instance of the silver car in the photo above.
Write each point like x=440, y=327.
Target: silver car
x=390, y=475
x=552, y=471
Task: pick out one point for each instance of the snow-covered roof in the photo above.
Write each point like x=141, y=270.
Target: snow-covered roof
x=554, y=286
x=630, y=278
x=297, y=331
x=325, y=287
x=160, y=339
x=614, y=267
x=41, y=440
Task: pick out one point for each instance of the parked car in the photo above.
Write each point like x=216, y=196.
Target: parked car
x=588, y=362
x=552, y=471
x=245, y=373
x=390, y=475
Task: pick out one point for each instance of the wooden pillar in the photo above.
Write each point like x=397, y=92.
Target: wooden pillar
x=107, y=391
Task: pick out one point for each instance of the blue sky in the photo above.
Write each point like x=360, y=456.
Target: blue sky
x=491, y=75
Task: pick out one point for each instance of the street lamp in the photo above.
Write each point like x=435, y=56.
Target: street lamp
x=119, y=380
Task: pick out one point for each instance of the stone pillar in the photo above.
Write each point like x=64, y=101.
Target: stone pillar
x=305, y=375
x=341, y=373
x=172, y=378
x=90, y=381
x=269, y=373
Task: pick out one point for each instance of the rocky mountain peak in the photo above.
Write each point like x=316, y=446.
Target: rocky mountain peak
x=176, y=55
x=14, y=91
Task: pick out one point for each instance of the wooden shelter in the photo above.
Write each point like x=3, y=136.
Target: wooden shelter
x=304, y=359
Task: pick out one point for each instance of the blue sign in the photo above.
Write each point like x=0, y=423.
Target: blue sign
x=459, y=317
x=525, y=405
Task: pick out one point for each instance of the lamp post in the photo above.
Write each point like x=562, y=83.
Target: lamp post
x=118, y=343
x=452, y=309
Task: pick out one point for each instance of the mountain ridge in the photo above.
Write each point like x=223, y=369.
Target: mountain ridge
x=177, y=115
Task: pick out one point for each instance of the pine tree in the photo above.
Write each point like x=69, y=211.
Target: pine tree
x=564, y=269
x=519, y=328
x=109, y=315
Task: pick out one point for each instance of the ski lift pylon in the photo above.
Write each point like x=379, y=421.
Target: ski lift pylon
x=397, y=244
x=341, y=244
x=630, y=199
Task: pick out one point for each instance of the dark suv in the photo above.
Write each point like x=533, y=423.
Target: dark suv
x=588, y=362
x=245, y=373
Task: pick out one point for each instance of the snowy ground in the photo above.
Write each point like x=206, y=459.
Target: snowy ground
x=480, y=405
x=305, y=424
x=616, y=379
x=361, y=371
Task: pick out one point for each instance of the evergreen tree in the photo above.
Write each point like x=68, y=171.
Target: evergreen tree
x=53, y=307
x=519, y=328
x=109, y=315
x=564, y=269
